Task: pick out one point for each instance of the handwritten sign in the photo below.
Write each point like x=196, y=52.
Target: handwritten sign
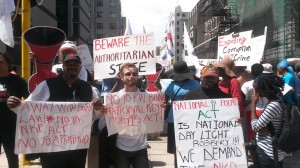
x=52, y=126
x=134, y=113
x=208, y=135
x=111, y=53
x=85, y=56
x=236, y=46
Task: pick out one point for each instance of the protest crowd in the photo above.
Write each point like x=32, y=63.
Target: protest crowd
x=61, y=117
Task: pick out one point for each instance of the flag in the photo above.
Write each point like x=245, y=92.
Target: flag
x=170, y=44
x=189, y=55
x=6, y=31
x=128, y=30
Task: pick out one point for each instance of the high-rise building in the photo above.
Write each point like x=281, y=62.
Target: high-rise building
x=176, y=23
x=106, y=19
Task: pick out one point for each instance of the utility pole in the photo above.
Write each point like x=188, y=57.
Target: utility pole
x=25, y=24
x=25, y=65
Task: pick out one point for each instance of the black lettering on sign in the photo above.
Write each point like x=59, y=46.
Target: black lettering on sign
x=187, y=157
x=217, y=153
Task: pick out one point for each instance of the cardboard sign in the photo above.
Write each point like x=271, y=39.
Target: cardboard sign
x=52, y=126
x=208, y=135
x=111, y=53
x=86, y=58
x=134, y=113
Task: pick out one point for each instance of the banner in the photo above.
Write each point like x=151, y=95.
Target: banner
x=52, y=126
x=134, y=113
x=111, y=53
x=208, y=135
x=85, y=56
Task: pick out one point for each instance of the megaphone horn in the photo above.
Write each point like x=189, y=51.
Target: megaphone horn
x=44, y=42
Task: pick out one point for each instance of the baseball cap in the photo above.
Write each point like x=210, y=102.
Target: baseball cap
x=209, y=70
x=68, y=45
x=268, y=68
x=71, y=57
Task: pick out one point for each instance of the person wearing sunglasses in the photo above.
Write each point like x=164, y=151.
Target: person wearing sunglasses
x=130, y=150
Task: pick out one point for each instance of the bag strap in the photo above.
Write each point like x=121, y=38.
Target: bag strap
x=177, y=91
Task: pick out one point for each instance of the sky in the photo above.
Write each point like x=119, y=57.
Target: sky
x=152, y=14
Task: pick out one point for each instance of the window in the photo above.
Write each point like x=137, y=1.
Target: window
x=99, y=2
x=177, y=36
x=177, y=29
x=183, y=15
x=75, y=14
x=177, y=22
x=100, y=36
x=112, y=26
x=177, y=43
x=99, y=14
x=99, y=25
x=112, y=14
x=178, y=14
x=76, y=29
x=177, y=51
x=112, y=3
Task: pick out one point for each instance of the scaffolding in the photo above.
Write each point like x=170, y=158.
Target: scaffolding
x=217, y=18
x=221, y=17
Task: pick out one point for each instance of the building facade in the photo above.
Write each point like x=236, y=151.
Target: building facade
x=210, y=19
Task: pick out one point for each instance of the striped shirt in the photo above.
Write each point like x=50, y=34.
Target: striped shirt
x=273, y=112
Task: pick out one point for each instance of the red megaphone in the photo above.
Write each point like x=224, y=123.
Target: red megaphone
x=44, y=42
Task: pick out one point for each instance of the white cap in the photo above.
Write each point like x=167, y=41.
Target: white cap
x=68, y=45
x=268, y=68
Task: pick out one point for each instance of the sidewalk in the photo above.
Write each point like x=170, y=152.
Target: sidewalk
x=157, y=152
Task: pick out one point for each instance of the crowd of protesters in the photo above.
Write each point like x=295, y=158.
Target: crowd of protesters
x=258, y=90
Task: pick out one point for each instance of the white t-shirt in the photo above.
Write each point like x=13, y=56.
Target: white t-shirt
x=248, y=90
x=131, y=143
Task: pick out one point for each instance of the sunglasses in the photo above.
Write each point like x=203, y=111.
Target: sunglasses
x=128, y=74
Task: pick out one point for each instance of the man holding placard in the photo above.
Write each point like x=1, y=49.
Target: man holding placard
x=131, y=149
x=209, y=88
x=64, y=88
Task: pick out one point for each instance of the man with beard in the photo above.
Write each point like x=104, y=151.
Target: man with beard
x=64, y=88
x=130, y=150
x=209, y=88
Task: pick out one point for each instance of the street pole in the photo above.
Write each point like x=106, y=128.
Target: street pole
x=25, y=24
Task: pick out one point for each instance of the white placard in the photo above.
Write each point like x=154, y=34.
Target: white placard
x=134, y=113
x=52, y=126
x=111, y=53
x=208, y=135
x=241, y=47
x=86, y=58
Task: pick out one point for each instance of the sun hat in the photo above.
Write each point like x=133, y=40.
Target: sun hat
x=71, y=57
x=268, y=68
x=228, y=65
x=209, y=70
x=181, y=71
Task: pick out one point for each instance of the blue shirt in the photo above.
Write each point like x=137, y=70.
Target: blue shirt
x=172, y=89
x=290, y=96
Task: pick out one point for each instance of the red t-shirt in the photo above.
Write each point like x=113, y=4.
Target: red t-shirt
x=232, y=87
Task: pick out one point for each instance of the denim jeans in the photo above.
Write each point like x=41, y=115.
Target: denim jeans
x=264, y=160
x=123, y=159
x=8, y=143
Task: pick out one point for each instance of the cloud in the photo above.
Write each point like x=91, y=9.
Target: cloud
x=152, y=14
